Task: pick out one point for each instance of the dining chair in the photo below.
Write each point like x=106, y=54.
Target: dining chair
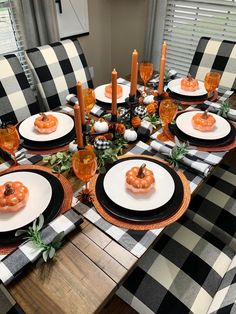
x=215, y=55
x=56, y=69
x=17, y=100
x=214, y=205
x=182, y=273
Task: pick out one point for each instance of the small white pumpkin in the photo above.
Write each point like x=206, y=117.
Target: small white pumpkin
x=148, y=99
x=73, y=147
x=130, y=135
x=101, y=126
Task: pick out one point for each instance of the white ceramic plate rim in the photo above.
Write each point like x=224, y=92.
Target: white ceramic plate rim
x=100, y=90
x=221, y=129
x=160, y=194
x=175, y=87
x=65, y=125
x=40, y=194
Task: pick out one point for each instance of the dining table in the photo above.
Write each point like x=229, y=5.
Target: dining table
x=97, y=256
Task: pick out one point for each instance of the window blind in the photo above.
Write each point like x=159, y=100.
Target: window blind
x=188, y=20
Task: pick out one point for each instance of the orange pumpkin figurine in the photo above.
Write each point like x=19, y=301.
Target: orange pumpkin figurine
x=136, y=122
x=46, y=124
x=13, y=196
x=108, y=91
x=120, y=128
x=189, y=83
x=139, y=179
x=151, y=108
x=203, y=121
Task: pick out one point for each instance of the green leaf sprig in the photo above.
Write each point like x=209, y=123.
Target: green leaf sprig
x=33, y=235
x=178, y=152
x=109, y=155
x=60, y=161
x=224, y=109
x=153, y=119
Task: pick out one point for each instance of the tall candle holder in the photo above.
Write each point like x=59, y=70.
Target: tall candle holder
x=132, y=102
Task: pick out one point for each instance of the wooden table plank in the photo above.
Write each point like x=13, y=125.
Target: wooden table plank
x=74, y=284
x=101, y=258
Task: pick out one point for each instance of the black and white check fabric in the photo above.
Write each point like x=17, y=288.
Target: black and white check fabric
x=214, y=205
x=13, y=264
x=23, y=157
x=17, y=101
x=57, y=68
x=225, y=298
x=214, y=55
x=140, y=111
x=101, y=143
x=180, y=274
x=7, y=304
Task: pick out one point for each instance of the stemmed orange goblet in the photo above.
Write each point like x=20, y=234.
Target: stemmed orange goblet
x=146, y=71
x=211, y=82
x=84, y=163
x=9, y=140
x=89, y=99
x=167, y=111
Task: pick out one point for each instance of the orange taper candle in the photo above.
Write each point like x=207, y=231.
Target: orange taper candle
x=134, y=73
x=162, y=69
x=114, y=92
x=78, y=126
x=81, y=101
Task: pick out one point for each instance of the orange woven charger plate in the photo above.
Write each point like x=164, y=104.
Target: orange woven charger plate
x=145, y=225
x=66, y=204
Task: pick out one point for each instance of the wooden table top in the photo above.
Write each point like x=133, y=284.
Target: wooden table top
x=86, y=273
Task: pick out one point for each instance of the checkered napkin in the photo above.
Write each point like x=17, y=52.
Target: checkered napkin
x=7, y=303
x=215, y=106
x=23, y=157
x=191, y=161
x=13, y=264
x=211, y=158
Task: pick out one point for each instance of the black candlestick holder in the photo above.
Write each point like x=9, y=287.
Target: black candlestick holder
x=132, y=102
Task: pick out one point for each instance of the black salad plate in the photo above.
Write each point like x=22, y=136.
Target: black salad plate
x=157, y=214
x=49, y=213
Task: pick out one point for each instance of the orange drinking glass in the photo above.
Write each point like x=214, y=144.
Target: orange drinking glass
x=146, y=71
x=211, y=82
x=9, y=140
x=89, y=99
x=167, y=112
x=84, y=163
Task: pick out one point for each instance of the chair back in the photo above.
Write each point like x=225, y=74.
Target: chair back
x=57, y=68
x=17, y=100
x=214, y=55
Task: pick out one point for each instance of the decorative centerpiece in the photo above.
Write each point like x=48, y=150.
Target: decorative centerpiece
x=45, y=124
x=13, y=196
x=140, y=179
x=189, y=83
x=203, y=122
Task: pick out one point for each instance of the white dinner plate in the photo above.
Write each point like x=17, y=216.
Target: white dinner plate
x=175, y=87
x=40, y=193
x=65, y=125
x=100, y=94
x=221, y=129
x=160, y=194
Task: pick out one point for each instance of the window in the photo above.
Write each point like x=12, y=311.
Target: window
x=188, y=20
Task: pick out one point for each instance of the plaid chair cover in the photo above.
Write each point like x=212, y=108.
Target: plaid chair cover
x=17, y=101
x=225, y=298
x=56, y=69
x=213, y=55
x=180, y=274
x=214, y=206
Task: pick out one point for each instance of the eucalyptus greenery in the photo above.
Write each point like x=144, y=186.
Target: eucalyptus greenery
x=109, y=155
x=33, y=235
x=224, y=109
x=178, y=152
x=60, y=161
x=153, y=119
